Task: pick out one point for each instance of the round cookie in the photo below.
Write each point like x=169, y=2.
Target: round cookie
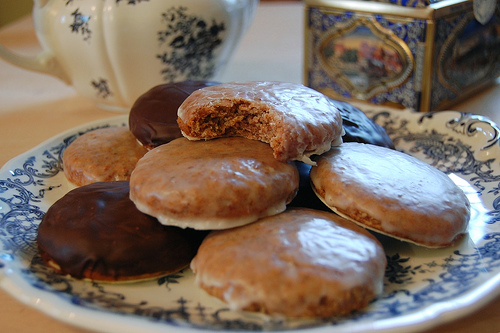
x=95, y=232
x=213, y=184
x=358, y=128
x=295, y=120
x=300, y=263
x=392, y=193
x=101, y=155
x=153, y=117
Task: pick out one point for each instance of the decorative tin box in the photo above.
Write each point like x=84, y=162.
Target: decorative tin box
x=419, y=54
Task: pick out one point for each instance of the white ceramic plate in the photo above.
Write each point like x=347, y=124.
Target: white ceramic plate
x=423, y=287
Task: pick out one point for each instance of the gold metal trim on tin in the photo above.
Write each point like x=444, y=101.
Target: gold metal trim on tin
x=374, y=7
x=432, y=11
x=428, y=62
x=365, y=58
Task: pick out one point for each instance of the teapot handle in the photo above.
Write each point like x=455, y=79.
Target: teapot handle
x=44, y=62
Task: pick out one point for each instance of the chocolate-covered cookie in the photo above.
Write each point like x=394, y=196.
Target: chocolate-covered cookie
x=95, y=232
x=359, y=128
x=153, y=117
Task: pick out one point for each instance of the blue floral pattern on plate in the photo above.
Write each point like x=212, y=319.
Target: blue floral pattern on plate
x=418, y=280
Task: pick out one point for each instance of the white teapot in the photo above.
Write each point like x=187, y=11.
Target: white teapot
x=112, y=51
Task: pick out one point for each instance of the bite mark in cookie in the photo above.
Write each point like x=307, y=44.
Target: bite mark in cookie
x=295, y=120
x=153, y=117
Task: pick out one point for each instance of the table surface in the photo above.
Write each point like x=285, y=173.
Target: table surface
x=34, y=107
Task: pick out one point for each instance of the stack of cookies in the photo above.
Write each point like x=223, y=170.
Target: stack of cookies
x=265, y=189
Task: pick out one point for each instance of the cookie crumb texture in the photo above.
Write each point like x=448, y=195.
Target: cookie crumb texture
x=295, y=120
x=153, y=117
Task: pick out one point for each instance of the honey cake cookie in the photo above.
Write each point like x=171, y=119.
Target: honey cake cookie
x=153, y=116
x=358, y=128
x=104, y=154
x=95, y=232
x=295, y=120
x=302, y=263
x=213, y=184
x=393, y=193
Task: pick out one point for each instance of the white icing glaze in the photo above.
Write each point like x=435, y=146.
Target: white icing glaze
x=409, y=198
x=303, y=121
x=296, y=258
x=212, y=184
x=210, y=222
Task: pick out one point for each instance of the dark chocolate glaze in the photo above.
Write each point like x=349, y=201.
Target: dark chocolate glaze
x=358, y=128
x=153, y=117
x=95, y=231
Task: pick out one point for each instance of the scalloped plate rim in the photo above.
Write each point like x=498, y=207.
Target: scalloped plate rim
x=59, y=309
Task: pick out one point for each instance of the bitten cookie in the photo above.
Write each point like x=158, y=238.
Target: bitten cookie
x=105, y=154
x=95, y=232
x=295, y=120
x=392, y=193
x=153, y=117
x=213, y=184
x=300, y=263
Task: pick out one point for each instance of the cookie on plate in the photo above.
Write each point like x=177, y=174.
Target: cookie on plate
x=95, y=232
x=300, y=263
x=358, y=128
x=295, y=120
x=213, y=184
x=153, y=117
x=104, y=154
x=393, y=193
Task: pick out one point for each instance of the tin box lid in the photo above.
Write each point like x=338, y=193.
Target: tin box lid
x=483, y=9
x=416, y=3
x=425, y=9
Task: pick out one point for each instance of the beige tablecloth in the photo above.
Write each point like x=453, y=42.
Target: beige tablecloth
x=35, y=107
